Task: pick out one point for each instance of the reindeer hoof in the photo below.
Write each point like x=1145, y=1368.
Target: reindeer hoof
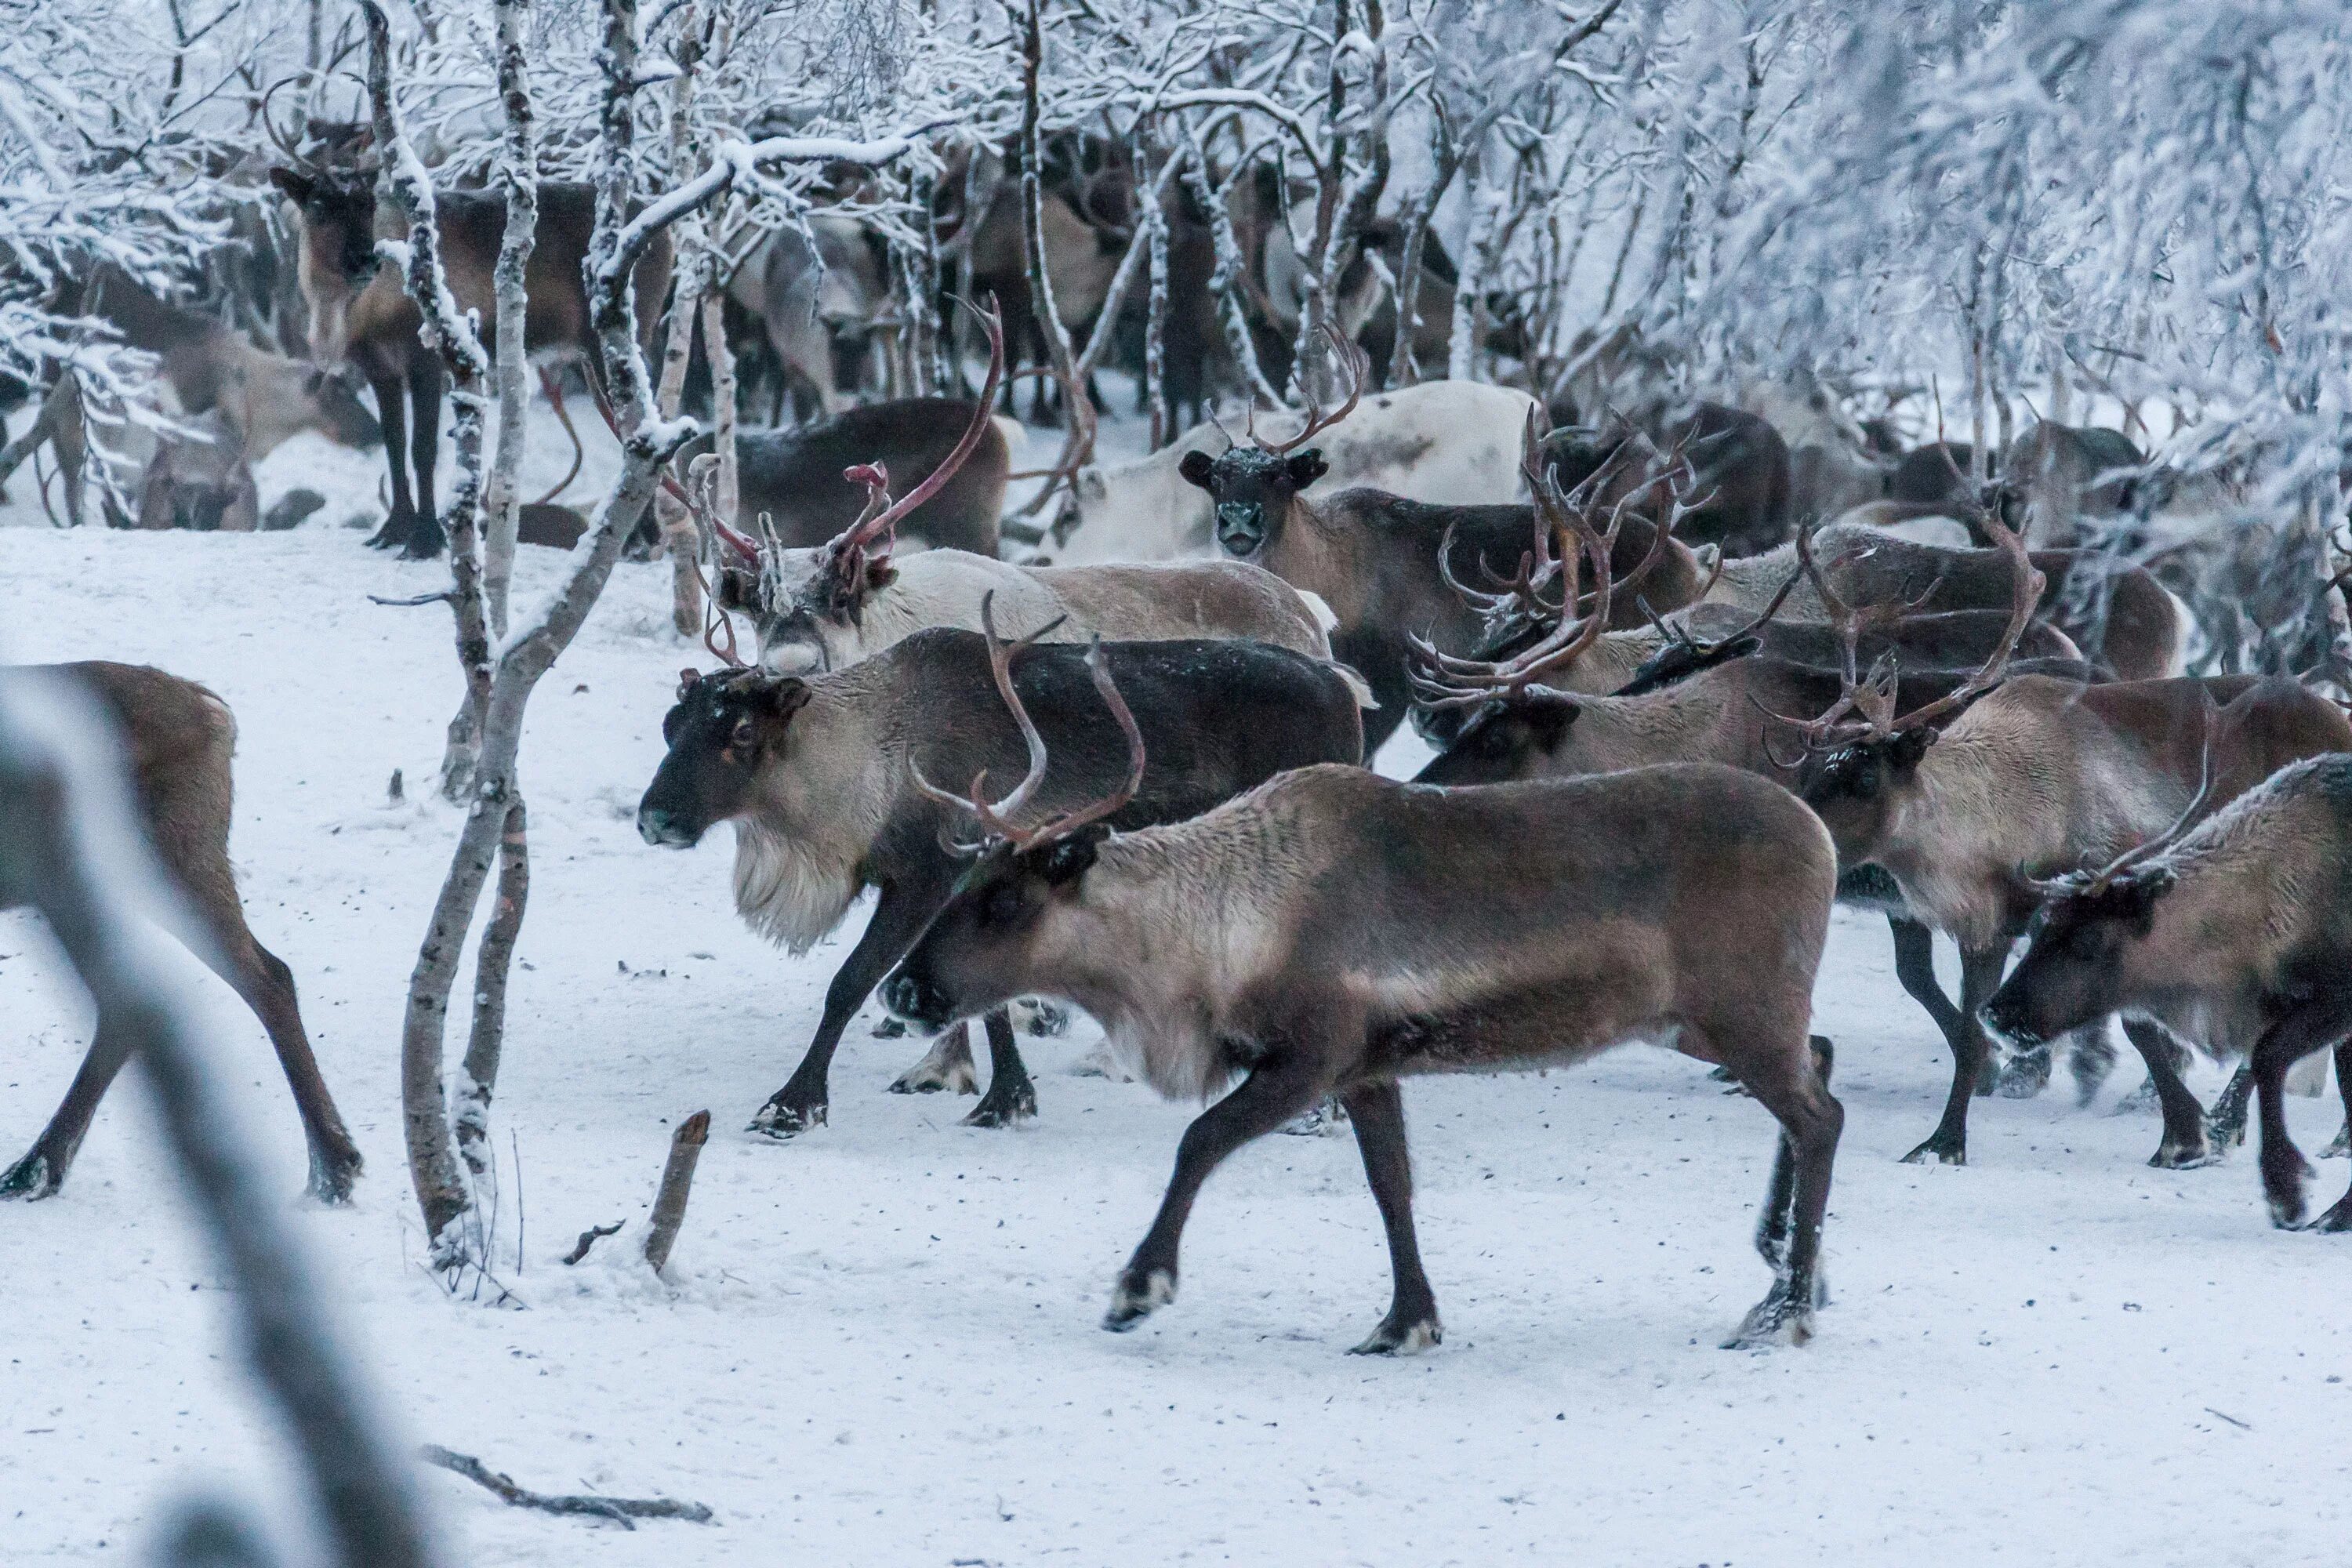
x=780, y=1119
x=1780, y=1317
x=1404, y=1333
x=2340, y=1145
x=938, y=1071
x=332, y=1176
x=1004, y=1106
x=1324, y=1120
x=2283, y=1178
x=1047, y=1020
x=1952, y=1153
x=31, y=1179
x=1136, y=1300
x=2024, y=1075
x=2184, y=1155
x=890, y=1028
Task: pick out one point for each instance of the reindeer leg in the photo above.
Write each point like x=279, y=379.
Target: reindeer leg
x=1980, y=976
x=262, y=979
x=1915, y=967
x=1795, y=1088
x=1378, y=1112
x=392, y=415
x=1285, y=1082
x=2323, y=1020
x=426, y=538
x=2340, y=1218
x=900, y=917
x=2090, y=1057
x=2185, y=1143
x=947, y=1065
x=1010, y=1096
x=2226, y=1124
x=42, y=1170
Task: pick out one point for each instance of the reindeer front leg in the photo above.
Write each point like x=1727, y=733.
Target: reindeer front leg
x=900, y=916
x=1290, y=1071
x=1378, y=1112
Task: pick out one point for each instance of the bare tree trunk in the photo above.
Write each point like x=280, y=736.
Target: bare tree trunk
x=1470, y=276
x=721, y=355
x=1032, y=251
x=487, y=1043
x=1155, y=316
x=71, y=846
x=519, y=173
x=1224, y=281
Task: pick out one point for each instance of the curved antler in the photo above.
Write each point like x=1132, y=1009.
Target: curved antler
x=997, y=818
x=293, y=155
x=2139, y=853
x=1357, y=363
x=850, y=555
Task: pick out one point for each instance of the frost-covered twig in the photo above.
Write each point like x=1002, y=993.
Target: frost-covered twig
x=621, y=1510
x=677, y=1185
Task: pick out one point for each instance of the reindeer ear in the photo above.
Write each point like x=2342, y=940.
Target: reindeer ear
x=879, y=573
x=1066, y=859
x=737, y=590
x=1911, y=745
x=785, y=697
x=1305, y=467
x=687, y=680
x=1196, y=467
x=295, y=186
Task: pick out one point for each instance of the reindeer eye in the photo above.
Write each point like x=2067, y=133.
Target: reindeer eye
x=746, y=735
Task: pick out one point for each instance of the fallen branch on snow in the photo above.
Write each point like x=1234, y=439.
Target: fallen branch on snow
x=621, y=1510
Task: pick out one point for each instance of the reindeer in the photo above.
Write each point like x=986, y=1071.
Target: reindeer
x=1385, y=565
x=1722, y=708
x=824, y=778
x=1332, y=932
x=1450, y=442
x=826, y=608
x=1740, y=464
x=1964, y=798
x=262, y=398
x=2237, y=931
x=177, y=739
x=2054, y=475
x=360, y=314
x=817, y=303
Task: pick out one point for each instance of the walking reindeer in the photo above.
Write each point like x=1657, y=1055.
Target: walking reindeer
x=1332, y=932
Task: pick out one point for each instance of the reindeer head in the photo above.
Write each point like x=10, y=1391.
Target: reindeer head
x=334, y=193
x=723, y=730
x=809, y=606
x=1861, y=759
x=1024, y=880
x=1254, y=485
x=1515, y=726
x=2075, y=965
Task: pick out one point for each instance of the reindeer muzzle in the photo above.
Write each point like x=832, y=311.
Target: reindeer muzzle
x=918, y=1001
x=657, y=827
x=1240, y=527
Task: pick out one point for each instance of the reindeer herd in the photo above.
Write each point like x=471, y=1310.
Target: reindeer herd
x=1658, y=764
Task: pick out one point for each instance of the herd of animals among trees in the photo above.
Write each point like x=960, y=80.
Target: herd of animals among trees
x=1772, y=455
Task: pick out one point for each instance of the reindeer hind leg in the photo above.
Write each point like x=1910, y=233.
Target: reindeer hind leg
x=41, y=1170
x=1793, y=1083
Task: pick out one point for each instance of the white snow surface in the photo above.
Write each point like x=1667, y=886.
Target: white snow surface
x=880, y=1345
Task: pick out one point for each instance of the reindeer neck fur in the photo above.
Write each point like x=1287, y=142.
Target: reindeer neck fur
x=1322, y=552
x=799, y=850
x=2000, y=791
x=931, y=588
x=1693, y=720
x=1175, y=925
x=1750, y=581
x=1608, y=663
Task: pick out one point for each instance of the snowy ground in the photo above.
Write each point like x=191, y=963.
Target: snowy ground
x=882, y=1347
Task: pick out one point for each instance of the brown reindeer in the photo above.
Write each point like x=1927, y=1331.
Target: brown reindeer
x=2239, y=933
x=821, y=778
x=362, y=315
x=1966, y=799
x=1332, y=932
x=177, y=739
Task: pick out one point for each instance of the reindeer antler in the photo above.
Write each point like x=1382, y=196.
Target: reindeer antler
x=850, y=557
x=2099, y=882
x=293, y=155
x=997, y=818
x=1457, y=683
x=1351, y=359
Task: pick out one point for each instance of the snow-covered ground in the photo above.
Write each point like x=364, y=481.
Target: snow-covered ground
x=881, y=1346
